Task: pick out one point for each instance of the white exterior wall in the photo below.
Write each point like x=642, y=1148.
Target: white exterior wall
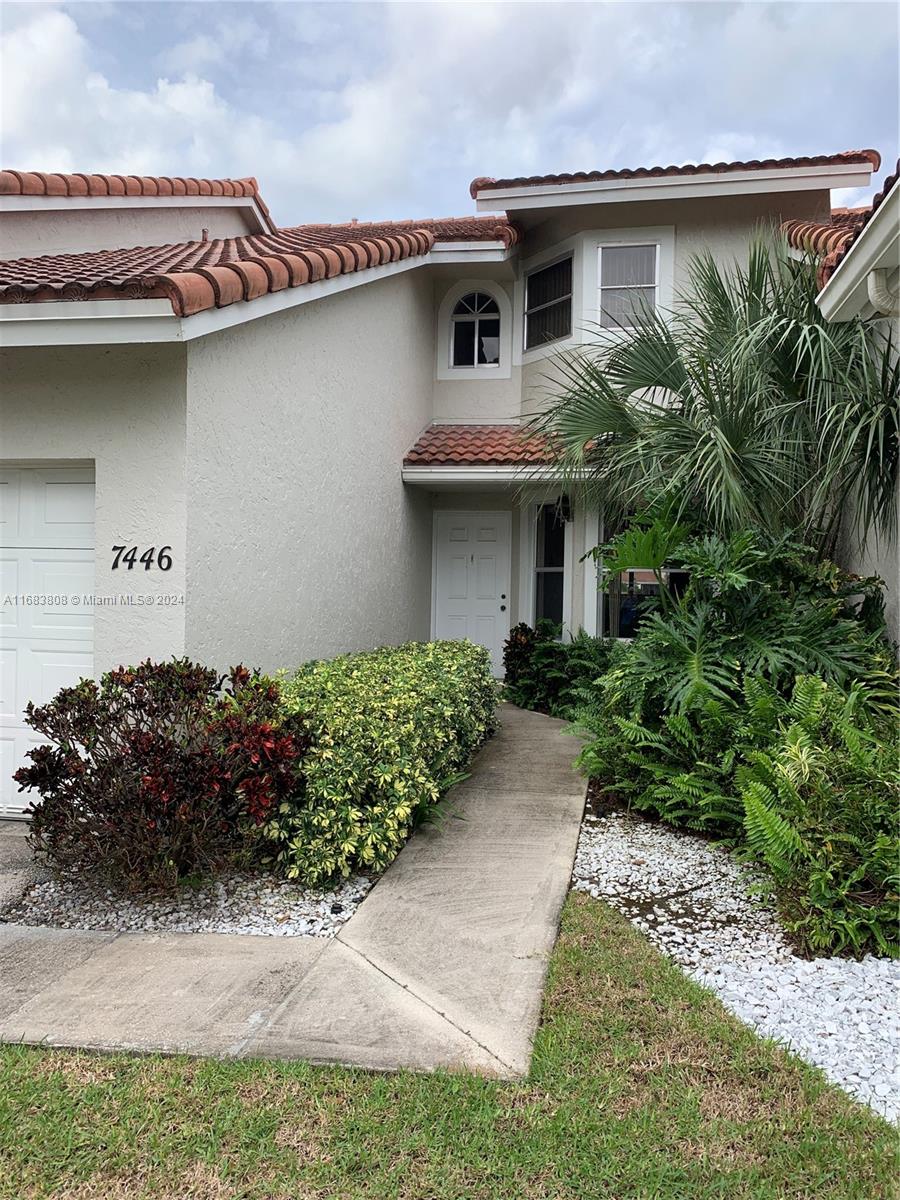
x=73, y=230
x=303, y=541
x=121, y=409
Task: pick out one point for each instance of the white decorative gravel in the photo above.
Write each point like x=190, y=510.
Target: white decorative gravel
x=235, y=903
x=696, y=903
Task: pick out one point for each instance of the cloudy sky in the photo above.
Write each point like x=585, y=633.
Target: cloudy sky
x=389, y=110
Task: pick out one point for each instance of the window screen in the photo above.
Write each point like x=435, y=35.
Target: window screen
x=548, y=304
x=627, y=284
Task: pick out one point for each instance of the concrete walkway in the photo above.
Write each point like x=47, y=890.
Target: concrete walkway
x=442, y=965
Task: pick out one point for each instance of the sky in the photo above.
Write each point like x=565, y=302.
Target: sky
x=378, y=111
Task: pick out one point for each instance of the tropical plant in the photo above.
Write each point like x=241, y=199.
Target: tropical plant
x=157, y=772
x=546, y=674
x=744, y=405
x=820, y=813
x=754, y=604
x=389, y=731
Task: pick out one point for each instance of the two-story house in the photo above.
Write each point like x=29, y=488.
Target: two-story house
x=240, y=442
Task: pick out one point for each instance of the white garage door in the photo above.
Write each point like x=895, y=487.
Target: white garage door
x=46, y=639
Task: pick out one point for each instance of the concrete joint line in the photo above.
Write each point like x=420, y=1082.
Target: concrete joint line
x=421, y=999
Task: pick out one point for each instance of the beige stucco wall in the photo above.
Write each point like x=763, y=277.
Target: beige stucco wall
x=724, y=227
x=302, y=539
x=122, y=409
x=77, y=230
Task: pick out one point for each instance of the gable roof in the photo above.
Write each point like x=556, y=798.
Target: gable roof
x=832, y=240
x=58, y=184
x=845, y=158
x=196, y=276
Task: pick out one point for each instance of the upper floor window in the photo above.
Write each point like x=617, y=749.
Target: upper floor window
x=628, y=283
x=548, y=304
x=475, y=340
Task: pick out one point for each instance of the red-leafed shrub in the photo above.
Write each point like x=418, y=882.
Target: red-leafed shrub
x=157, y=772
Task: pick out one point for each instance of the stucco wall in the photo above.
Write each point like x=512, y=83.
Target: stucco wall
x=723, y=226
x=877, y=555
x=302, y=539
x=75, y=230
x=123, y=409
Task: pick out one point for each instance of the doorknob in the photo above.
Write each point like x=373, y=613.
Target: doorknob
x=503, y=608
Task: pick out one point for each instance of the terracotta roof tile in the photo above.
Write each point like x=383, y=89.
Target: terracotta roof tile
x=478, y=446
x=832, y=240
x=201, y=275
x=49, y=183
x=445, y=229
x=484, y=184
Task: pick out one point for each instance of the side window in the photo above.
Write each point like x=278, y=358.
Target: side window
x=548, y=304
x=549, y=564
x=475, y=332
x=629, y=278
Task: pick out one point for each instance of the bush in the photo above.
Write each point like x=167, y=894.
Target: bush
x=820, y=812
x=547, y=675
x=710, y=685
x=389, y=731
x=156, y=773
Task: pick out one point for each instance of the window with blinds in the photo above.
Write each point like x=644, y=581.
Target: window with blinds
x=628, y=280
x=548, y=304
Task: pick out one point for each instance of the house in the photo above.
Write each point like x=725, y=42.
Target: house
x=859, y=274
x=247, y=443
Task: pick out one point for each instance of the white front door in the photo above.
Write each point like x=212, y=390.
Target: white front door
x=471, y=579
x=46, y=602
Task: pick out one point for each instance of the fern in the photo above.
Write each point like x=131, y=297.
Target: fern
x=769, y=835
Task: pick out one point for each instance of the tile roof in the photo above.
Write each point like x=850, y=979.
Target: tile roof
x=478, y=446
x=483, y=184
x=53, y=183
x=832, y=240
x=201, y=275
x=445, y=229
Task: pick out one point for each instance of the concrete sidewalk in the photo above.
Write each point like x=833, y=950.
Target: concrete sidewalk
x=443, y=964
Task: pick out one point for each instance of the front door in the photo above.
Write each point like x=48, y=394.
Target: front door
x=471, y=579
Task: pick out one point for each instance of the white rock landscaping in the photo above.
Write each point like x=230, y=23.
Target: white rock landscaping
x=696, y=903
x=235, y=903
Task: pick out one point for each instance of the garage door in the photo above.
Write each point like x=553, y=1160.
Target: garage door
x=46, y=639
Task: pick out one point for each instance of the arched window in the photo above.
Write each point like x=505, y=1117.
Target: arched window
x=475, y=332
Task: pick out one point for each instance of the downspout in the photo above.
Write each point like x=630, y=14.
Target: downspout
x=882, y=299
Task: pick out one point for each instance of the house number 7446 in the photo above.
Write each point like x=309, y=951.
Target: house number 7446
x=130, y=556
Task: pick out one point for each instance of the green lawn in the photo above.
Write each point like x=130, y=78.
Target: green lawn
x=642, y=1086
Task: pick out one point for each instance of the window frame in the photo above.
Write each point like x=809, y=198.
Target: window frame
x=568, y=255
x=474, y=318
x=443, y=371
x=527, y=574
x=625, y=245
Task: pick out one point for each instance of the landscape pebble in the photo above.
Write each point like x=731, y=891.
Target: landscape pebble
x=697, y=903
x=234, y=903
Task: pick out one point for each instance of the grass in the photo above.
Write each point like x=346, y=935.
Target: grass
x=642, y=1086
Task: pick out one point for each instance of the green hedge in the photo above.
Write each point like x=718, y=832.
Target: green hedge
x=390, y=730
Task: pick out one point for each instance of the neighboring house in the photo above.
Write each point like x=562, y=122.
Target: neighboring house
x=309, y=437
x=859, y=274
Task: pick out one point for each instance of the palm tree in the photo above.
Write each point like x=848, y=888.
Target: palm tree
x=743, y=406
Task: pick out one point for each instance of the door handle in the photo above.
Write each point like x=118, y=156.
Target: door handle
x=503, y=608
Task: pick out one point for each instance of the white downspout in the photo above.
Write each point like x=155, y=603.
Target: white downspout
x=882, y=299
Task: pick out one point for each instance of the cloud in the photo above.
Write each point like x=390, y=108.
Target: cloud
x=388, y=110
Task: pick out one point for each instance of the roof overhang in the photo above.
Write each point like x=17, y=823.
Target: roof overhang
x=438, y=477
x=471, y=252
x=876, y=248
x=676, y=187
x=123, y=322
x=257, y=220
